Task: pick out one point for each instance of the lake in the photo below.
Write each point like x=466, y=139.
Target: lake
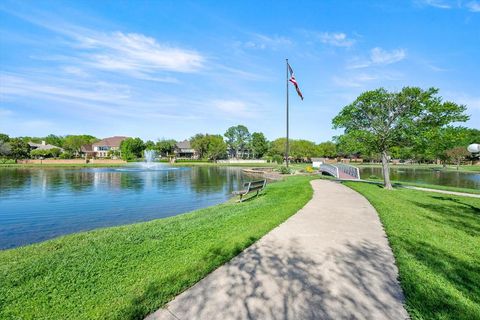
x=40, y=204
x=427, y=176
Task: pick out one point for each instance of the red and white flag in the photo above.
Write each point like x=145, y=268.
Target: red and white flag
x=294, y=81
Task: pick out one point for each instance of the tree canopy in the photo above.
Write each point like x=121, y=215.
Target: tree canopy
x=165, y=147
x=209, y=146
x=380, y=120
x=238, y=138
x=132, y=148
x=258, y=144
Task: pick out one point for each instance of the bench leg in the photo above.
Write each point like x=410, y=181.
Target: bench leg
x=257, y=192
x=241, y=197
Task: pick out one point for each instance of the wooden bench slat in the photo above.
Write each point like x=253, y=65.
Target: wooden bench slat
x=251, y=186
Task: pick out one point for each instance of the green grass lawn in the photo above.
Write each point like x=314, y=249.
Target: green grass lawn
x=438, y=187
x=463, y=168
x=436, y=242
x=424, y=185
x=129, y=271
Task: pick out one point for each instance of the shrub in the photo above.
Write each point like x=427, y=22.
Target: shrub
x=66, y=155
x=285, y=170
x=277, y=159
x=7, y=161
x=309, y=169
x=48, y=153
x=373, y=177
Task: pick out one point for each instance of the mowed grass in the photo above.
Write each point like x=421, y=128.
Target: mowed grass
x=129, y=271
x=397, y=183
x=436, y=242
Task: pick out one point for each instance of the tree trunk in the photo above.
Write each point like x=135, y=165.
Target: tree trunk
x=386, y=171
x=458, y=164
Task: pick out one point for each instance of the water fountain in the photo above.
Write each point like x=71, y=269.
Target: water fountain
x=149, y=156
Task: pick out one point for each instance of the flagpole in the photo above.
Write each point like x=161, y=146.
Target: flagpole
x=286, y=144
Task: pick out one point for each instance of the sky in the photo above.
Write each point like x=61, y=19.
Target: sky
x=171, y=69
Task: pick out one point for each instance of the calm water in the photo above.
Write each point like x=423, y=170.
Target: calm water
x=428, y=176
x=39, y=204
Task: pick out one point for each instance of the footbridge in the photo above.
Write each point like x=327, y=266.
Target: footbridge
x=341, y=171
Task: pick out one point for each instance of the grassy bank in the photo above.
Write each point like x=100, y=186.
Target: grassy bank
x=127, y=272
x=437, y=187
x=435, y=239
x=462, y=168
x=425, y=185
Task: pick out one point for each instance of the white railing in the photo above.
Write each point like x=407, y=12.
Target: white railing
x=334, y=170
x=348, y=169
x=330, y=169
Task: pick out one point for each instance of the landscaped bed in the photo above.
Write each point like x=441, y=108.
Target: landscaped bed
x=436, y=242
x=127, y=272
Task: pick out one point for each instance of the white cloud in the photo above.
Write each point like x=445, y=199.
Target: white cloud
x=378, y=57
x=338, y=39
x=381, y=56
x=261, y=41
x=354, y=81
x=441, y=4
x=105, y=99
x=136, y=52
x=76, y=71
x=234, y=108
x=5, y=113
x=472, y=103
x=473, y=6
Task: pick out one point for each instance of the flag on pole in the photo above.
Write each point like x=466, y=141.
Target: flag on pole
x=294, y=82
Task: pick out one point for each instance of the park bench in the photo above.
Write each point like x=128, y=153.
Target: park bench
x=251, y=186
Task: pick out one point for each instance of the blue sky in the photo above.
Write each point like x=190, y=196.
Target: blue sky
x=171, y=69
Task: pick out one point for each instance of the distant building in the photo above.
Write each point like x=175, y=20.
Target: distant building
x=183, y=149
x=101, y=148
x=317, y=162
x=42, y=146
x=87, y=150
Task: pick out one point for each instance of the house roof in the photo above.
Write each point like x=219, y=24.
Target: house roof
x=183, y=145
x=109, y=142
x=86, y=148
x=41, y=146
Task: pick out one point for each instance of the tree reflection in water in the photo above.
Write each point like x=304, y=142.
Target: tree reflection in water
x=39, y=204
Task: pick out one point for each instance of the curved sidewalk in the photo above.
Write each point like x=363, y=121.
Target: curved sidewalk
x=331, y=260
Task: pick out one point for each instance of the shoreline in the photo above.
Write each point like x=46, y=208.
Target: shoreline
x=122, y=263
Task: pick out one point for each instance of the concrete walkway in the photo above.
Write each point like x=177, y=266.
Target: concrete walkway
x=331, y=260
x=455, y=193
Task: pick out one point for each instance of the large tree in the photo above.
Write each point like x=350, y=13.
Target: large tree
x=165, y=146
x=73, y=143
x=238, y=138
x=4, y=145
x=132, y=148
x=435, y=143
x=457, y=154
x=19, y=149
x=327, y=149
x=4, y=137
x=258, y=144
x=199, y=142
x=217, y=148
x=381, y=120
x=55, y=140
x=209, y=146
x=150, y=145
